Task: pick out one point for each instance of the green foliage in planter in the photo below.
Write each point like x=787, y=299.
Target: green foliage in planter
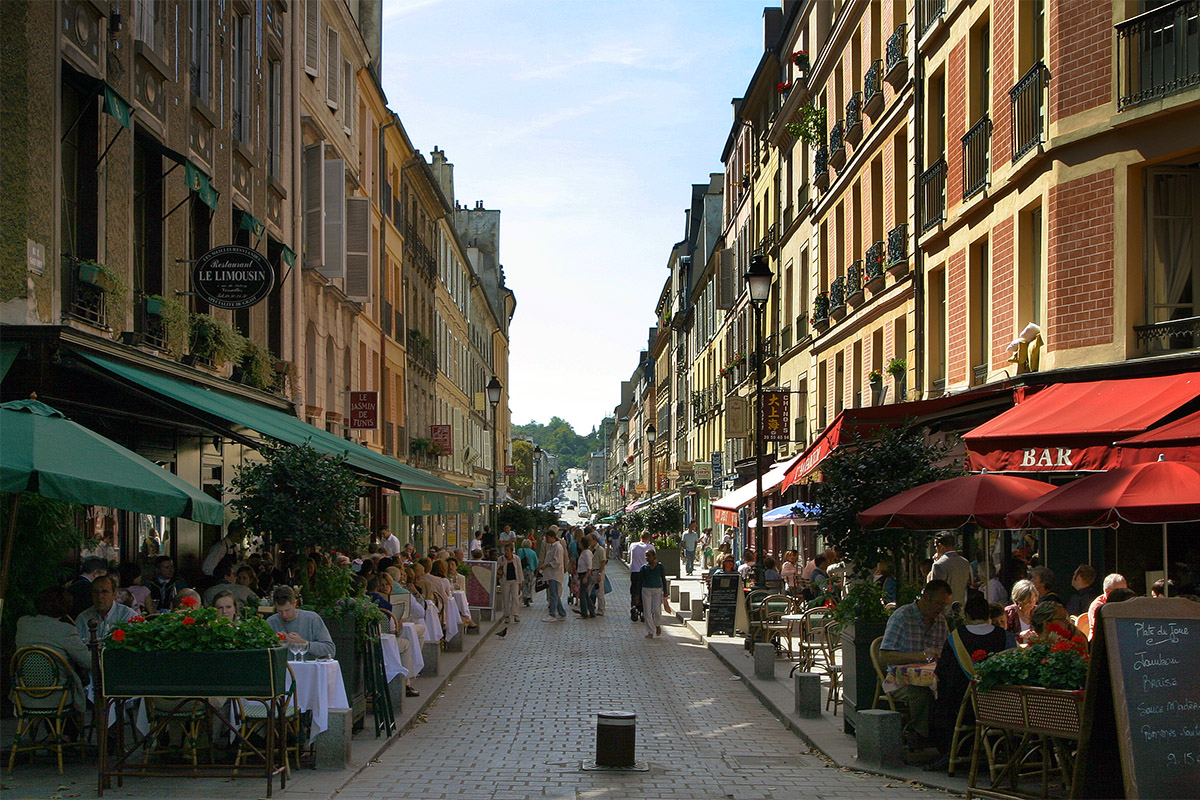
x=367, y=615
x=897, y=367
x=193, y=630
x=869, y=471
x=175, y=322
x=297, y=497
x=808, y=125
x=213, y=340
x=258, y=366
x=863, y=603
x=114, y=285
x=464, y=570
x=634, y=522
x=666, y=543
x=664, y=519
x=1061, y=665
x=419, y=445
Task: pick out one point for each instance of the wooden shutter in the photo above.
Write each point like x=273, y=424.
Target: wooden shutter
x=334, y=263
x=358, y=248
x=725, y=296
x=333, y=62
x=348, y=98
x=312, y=37
x=314, y=209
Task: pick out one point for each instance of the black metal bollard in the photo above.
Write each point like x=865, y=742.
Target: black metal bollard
x=616, y=737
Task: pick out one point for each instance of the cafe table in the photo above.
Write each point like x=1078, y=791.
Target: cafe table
x=918, y=674
x=319, y=687
x=433, y=625
x=392, y=664
x=409, y=631
x=460, y=597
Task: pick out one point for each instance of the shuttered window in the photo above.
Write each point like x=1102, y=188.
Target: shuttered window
x=358, y=248
x=333, y=60
x=334, y=262
x=314, y=210
x=348, y=98
x=312, y=37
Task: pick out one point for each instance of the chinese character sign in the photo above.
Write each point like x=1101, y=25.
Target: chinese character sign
x=364, y=411
x=441, y=436
x=776, y=413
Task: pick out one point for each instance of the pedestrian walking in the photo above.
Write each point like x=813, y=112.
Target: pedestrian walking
x=511, y=577
x=601, y=584
x=553, y=571
x=637, y=558
x=691, y=538
x=654, y=593
x=583, y=573
x=529, y=565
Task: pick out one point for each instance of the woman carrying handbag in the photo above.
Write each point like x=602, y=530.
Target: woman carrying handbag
x=654, y=593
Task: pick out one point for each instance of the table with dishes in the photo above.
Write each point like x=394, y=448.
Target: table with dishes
x=918, y=674
x=319, y=687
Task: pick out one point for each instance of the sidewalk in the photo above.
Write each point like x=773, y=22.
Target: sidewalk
x=824, y=734
x=41, y=779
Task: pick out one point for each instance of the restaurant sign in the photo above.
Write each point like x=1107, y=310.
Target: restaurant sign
x=703, y=472
x=364, y=411
x=776, y=412
x=510, y=469
x=442, y=437
x=232, y=276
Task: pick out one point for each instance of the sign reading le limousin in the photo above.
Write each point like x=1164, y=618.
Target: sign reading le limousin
x=232, y=276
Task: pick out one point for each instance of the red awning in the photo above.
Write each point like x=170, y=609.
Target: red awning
x=1072, y=426
x=1176, y=441
x=864, y=420
x=726, y=507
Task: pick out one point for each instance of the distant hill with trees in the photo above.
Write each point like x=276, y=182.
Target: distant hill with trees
x=559, y=438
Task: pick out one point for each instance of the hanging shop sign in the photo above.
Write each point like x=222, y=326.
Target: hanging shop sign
x=232, y=276
x=776, y=414
x=510, y=469
x=364, y=411
x=443, y=437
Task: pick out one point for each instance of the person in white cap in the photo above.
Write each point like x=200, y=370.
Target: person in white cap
x=552, y=570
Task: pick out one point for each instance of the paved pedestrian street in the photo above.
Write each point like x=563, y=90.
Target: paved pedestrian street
x=519, y=721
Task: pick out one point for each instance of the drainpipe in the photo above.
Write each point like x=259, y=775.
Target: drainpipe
x=298, y=328
x=383, y=270
x=918, y=255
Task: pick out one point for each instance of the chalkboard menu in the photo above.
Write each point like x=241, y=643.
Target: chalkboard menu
x=724, y=593
x=1149, y=650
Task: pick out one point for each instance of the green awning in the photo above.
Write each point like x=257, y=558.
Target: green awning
x=8, y=354
x=118, y=107
x=287, y=428
x=201, y=184
x=416, y=503
x=249, y=223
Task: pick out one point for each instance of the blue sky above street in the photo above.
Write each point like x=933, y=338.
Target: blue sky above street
x=585, y=123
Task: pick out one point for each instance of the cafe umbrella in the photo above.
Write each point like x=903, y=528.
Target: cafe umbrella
x=984, y=499
x=46, y=453
x=1154, y=492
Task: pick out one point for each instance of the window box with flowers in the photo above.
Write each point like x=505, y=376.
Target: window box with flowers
x=194, y=652
x=731, y=368
x=800, y=59
x=820, y=315
x=783, y=87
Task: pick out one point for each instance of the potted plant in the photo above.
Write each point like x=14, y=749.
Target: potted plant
x=800, y=59
x=213, y=341
x=257, y=366
x=862, y=617
x=898, y=369
x=195, y=652
x=808, y=126
x=875, y=379
x=174, y=318
x=820, y=315
x=783, y=87
x=353, y=621
x=664, y=520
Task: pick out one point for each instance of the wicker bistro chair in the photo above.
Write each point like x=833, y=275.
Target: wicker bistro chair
x=252, y=716
x=43, y=692
x=190, y=716
x=831, y=645
x=771, y=626
x=898, y=706
x=810, y=652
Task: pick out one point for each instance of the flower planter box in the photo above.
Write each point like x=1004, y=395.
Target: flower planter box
x=154, y=305
x=1031, y=709
x=858, y=674
x=669, y=558
x=91, y=274
x=223, y=673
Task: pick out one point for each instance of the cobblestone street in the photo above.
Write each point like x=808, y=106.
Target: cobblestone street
x=520, y=719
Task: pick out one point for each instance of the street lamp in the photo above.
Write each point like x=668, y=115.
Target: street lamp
x=493, y=396
x=651, y=435
x=758, y=278
x=537, y=487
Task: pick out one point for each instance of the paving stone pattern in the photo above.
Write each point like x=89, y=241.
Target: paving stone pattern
x=519, y=721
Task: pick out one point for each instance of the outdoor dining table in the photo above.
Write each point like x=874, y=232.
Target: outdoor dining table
x=409, y=631
x=392, y=665
x=433, y=625
x=460, y=597
x=918, y=674
x=319, y=687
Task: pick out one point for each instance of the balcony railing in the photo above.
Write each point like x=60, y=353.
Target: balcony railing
x=897, y=245
x=150, y=326
x=422, y=352
x=897, y=55
x=873, y=88
x=1158, y=53
x=1028, y=103
x=821, y=167
x=854, y=281
x=927, y=13
x=976, y=145
x=854, y=127
x=385, y=318
x=837, y=145
x=1173, y=334
x=873, y=266
x=837, y=293
x=932, y=196
x=88, y=301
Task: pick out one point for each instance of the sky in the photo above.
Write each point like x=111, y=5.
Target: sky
x=585, y=122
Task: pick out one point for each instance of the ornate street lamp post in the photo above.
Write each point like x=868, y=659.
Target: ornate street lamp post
x=651, y=435
x=493, y=396
x=758, y=278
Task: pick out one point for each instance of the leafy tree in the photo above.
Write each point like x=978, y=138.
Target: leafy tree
x=522, y=456
x=560, y=438
x=869, y=471
x=664, y=518
x=299, y=498
x=44, y=542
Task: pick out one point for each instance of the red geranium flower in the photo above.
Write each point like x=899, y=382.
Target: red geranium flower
x=979, y=655
x=1059, y=647
x=118, y=635
x=137, y=618
x=829, y=603
x=189, y=602
x=283, y=637
x=188, y=620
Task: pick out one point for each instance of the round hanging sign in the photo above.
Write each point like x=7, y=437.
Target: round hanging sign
x=232, y=276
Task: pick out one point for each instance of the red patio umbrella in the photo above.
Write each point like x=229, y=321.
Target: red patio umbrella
x=1152, y=492
x=984, y=499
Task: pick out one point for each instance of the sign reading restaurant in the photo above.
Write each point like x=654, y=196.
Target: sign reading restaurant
x=364, y=411
x=231, y=276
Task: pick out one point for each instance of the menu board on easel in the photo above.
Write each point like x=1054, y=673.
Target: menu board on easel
x=724, y=592
x=1142, y=709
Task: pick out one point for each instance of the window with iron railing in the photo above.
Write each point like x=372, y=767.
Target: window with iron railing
x=897, y=244
x=854, y=117
x=932, y=196
x=873, y=263
x=873, y=87
x=837, y=293
x=854, y=279
x=928, y=12
x=1027, y=101
x=976, y=146
x=1158, y=53
x=897, y=48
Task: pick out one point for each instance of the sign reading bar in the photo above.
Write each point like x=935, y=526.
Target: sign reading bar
x=364, y=411
x=724, y=592
x=510, y=469
x=776, y=414
x=232, y=276
x=441, y=436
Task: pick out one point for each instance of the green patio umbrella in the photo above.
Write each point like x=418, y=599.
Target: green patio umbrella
x=46, y=453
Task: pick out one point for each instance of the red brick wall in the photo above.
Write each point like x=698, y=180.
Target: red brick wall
x=1080, y=44
x=1079, y=296
x=1003, y=46
x=1004, y=298
x=956, y=317
x=956, y=122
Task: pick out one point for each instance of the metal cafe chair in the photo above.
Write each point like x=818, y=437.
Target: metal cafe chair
x=42, y=693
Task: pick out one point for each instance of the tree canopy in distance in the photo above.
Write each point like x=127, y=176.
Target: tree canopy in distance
x=560, y=438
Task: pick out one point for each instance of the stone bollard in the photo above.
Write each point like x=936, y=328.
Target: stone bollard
x=674, y=592
x=455, y=645
x=331, y=748
x=396, y=691
x=697, y=610
x=429, y=652
x=616, y=738
x=684, y=601
x=808, y=694
x=475, y=618
x=764, y=661
x=880, y=737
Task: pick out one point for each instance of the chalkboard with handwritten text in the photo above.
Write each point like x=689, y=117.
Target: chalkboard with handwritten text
x=724, y=593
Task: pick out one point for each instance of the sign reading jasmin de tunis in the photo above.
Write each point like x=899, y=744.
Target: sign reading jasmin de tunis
x=232, y=276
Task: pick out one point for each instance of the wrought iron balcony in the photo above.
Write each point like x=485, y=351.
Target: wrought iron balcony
x=421, y=351
x=897, y=56
x=821, y=167
x=873, y=88
x=854, y=282
x=931, y=194
x=837, y=294
x=1027, y=101
x=88, y=301
x=150, y=325
x=873, y=267
x=1158, y=53
x=1173, y=334
x=820, y=314
x=854, y=126
x=927, y=13
x=837, y=145
x=897, y=245
x=976, y=148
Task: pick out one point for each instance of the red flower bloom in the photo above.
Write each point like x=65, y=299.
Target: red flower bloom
x=189, y=602
x=188, y=620
x=1059, y=647
x=783, y=87
x=118, y=635
x=283, y=637
x=137, y=618
x=829, y=603
x=979, y=655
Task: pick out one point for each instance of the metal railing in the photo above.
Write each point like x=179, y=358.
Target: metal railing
x=151, y=326
x=837, y=145
x=976, y=146
x=421, y=351
x=928, y=11
x=88, y=302
x=854, y=279
x=931, y=194
x=897, y=244
x=873, y=266
x=1027, y=101
x=897, y=48
x=1158, y=53
x=837, y=293
x=1173, y=334
x=821, y=166
x=873, y=85
x=854, y=117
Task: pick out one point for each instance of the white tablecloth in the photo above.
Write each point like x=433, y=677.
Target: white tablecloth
x=319, y=687
x=409, y=631
x=461, y=599
x=433, y=625
x=392, y=664
x=453, y=621
x=140, y=720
